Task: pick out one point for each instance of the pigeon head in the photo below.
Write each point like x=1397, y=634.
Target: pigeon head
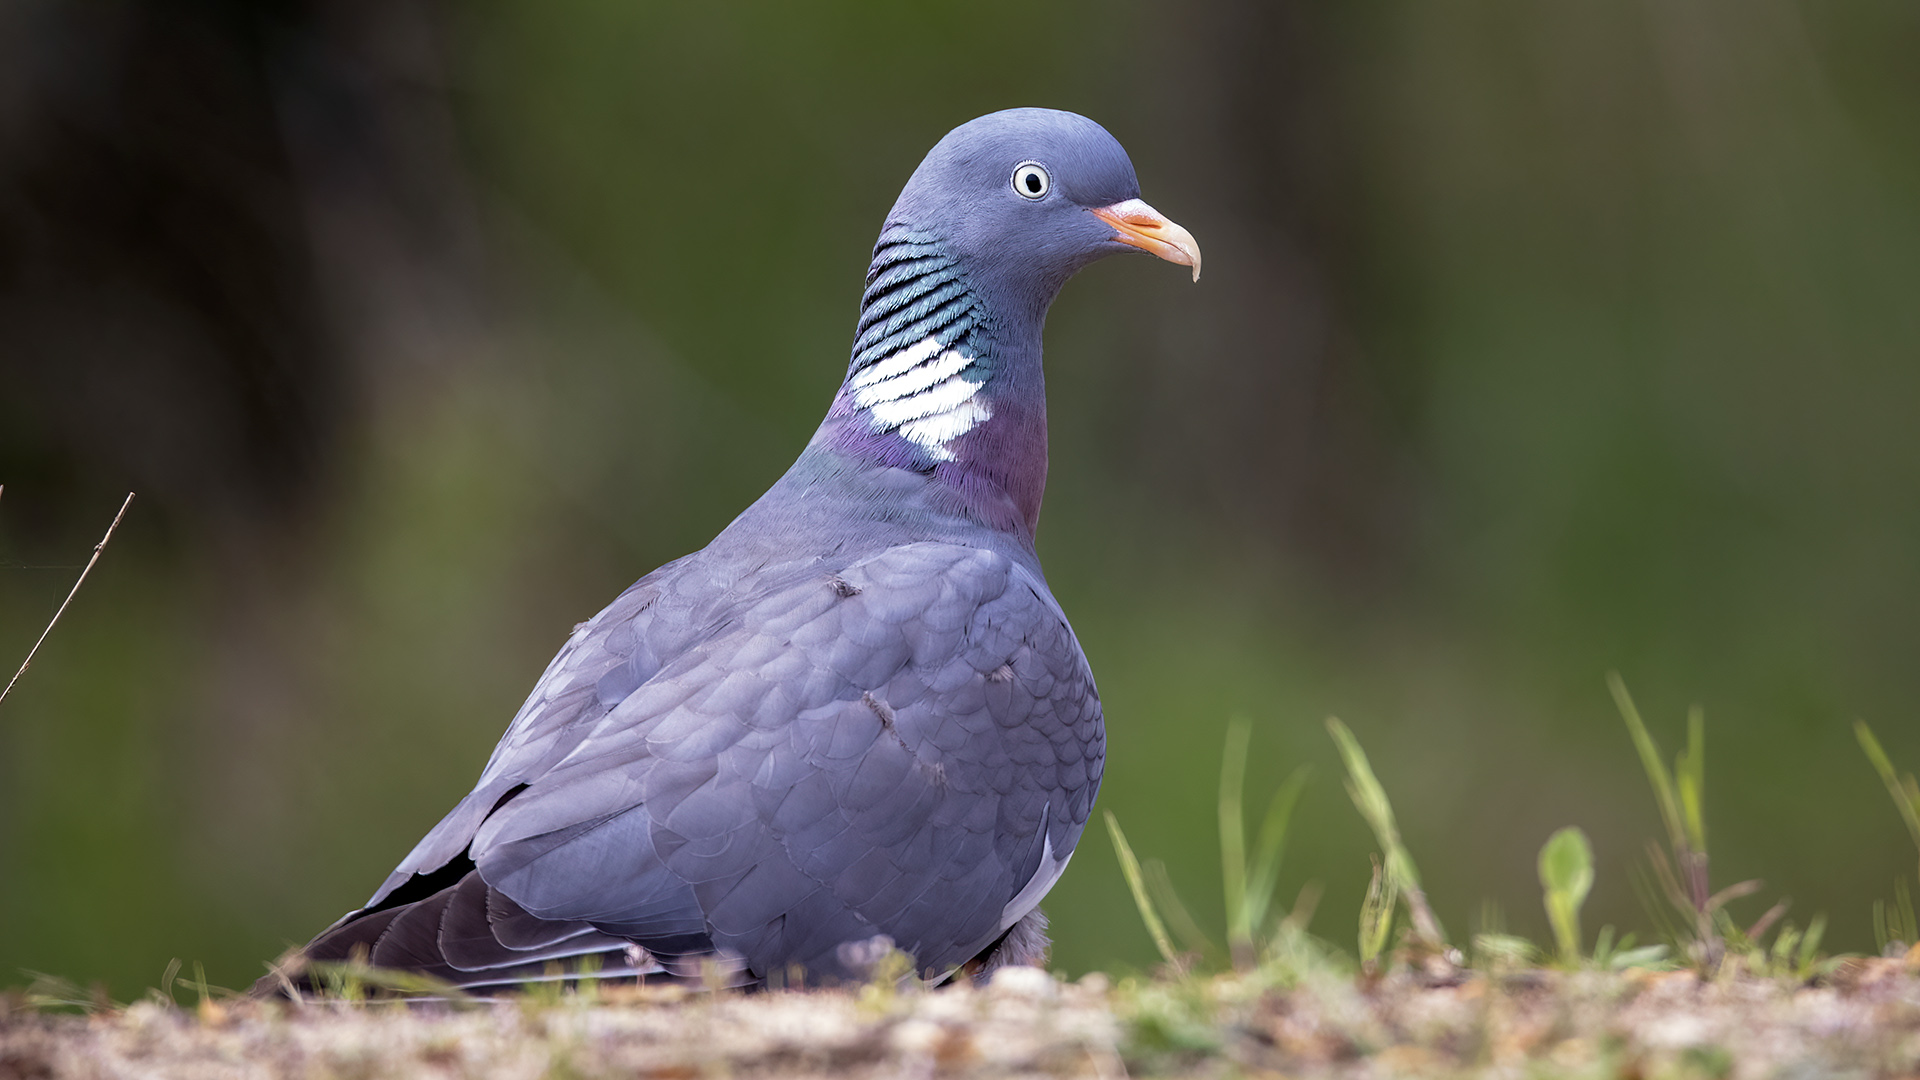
x=945, y=378
x=1026, y=197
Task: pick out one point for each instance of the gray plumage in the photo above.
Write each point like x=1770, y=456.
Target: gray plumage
x=856, y=718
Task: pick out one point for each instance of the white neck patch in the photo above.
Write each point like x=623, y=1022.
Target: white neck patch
x=924, y=394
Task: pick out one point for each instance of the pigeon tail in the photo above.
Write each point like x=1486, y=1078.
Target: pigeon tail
x=473, y=937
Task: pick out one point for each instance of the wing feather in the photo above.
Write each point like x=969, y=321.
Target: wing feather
x=779, y=763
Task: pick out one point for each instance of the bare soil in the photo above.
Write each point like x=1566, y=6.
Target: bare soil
x=1862, y=1020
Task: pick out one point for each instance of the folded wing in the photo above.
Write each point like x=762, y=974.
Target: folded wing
x=909, y=746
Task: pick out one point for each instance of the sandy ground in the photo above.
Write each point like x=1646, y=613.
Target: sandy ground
x=1861, y=1021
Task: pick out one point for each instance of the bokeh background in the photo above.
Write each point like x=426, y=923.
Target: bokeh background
x=1535, y=341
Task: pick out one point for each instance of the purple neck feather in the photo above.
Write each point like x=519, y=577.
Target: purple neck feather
x=998, y=471
x=946, y=383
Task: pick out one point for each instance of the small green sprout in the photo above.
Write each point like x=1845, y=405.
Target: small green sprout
x=1796, y=954
x=1402, y=878
x=1494, y=948
x=1376, y=916
x=1611, y=955
x=1498, y=951
x=1566, y=872
x=1894, y=924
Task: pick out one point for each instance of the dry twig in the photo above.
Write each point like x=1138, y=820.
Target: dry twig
x=84, y=571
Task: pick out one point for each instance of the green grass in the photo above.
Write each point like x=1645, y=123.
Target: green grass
x=1692, y=918
x=1894, y=923
x=1253, y=922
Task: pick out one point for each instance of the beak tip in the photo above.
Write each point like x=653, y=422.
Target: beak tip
x=1141, y=226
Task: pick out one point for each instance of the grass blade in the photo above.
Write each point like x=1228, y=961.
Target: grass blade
x=1271, y=846
x=1650, y=758
x=1136, y=883
x=1178, y=918
x=1692, y=775
x=1905, y=797
x=1403, y=878
x=1233, y=840
x=1810, y=947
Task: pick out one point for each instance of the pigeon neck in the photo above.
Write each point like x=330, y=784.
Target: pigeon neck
x=945, y=383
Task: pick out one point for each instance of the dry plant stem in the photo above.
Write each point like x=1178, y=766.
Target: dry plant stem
x=1421, y=915
x=84, y=571
x=1765, y=922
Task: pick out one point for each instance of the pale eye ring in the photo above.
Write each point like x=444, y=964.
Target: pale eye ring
x=1030, y=179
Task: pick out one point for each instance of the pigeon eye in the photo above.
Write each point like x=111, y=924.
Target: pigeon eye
x=1030, y=179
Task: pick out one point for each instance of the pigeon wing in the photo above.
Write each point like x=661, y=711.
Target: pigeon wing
x=910, y=746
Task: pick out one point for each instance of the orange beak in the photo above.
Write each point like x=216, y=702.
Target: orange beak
x=1136, y=223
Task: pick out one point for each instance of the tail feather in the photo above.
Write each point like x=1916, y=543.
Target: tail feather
x=481, y=921
x=474, y=937
x=512, y=926
x=411, y=942
x=339, y=942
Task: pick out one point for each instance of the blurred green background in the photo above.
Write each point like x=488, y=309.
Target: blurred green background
x=1535, y=341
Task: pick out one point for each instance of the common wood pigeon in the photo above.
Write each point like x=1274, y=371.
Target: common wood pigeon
x=857, y=720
